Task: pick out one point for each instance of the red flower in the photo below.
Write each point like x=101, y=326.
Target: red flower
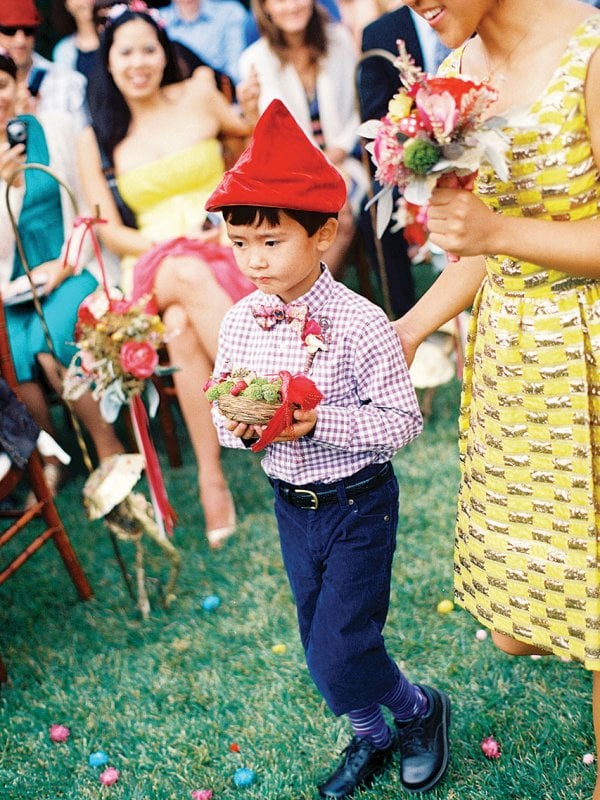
x=311, y=326
x=140, y=359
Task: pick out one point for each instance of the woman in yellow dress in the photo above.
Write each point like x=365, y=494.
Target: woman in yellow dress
x=527, y=563
x=160, y=135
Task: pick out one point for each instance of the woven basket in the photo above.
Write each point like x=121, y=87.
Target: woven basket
x=242, y=409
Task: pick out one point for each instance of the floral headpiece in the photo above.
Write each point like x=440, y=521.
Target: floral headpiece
x=134, y=5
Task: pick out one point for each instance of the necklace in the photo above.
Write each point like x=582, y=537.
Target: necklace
x=493, y=72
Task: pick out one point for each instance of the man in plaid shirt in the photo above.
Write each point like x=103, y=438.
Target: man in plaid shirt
x=336, y=495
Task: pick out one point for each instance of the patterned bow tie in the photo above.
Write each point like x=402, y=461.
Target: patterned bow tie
x=294, y=314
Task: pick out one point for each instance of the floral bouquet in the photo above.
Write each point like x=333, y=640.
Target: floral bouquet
x=434, y=126
x=117, y=351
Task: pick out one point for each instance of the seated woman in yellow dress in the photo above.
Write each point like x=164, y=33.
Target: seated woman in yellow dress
x=159, y=134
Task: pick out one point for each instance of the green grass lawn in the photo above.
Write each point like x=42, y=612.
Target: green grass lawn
x=166, y=698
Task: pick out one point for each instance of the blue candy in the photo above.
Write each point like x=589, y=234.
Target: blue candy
x=243, y=777
x=98, y=759
x=211, y=602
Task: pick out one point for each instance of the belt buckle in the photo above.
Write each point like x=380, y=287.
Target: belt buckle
x=314, y=500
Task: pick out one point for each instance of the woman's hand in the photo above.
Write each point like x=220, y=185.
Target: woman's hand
x=54, y=272
x=11, y=158
x=248, y=93
x=459, y=222
x=407, y=340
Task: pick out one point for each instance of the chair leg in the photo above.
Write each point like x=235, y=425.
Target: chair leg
x=52, y=519
x=3, y=673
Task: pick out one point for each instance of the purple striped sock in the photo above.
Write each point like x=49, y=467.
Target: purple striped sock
x=369, y=723
x=405, y=700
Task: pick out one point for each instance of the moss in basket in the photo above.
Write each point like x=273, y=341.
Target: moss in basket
x=254, y=391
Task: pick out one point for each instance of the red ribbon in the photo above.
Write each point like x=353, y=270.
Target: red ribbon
x=89, y=223
x=162, y=508
x=297, y=391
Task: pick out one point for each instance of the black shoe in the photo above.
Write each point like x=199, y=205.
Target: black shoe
x=361, y=762
x=423, y=744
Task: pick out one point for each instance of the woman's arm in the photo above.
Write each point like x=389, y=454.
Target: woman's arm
x=461, y=223
x=207, y=97
x=452, y=292
x=116, y=236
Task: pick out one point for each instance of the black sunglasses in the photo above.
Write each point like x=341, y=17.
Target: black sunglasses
x=11, y=30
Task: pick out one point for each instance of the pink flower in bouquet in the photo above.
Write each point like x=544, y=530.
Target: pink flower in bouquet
x=140, y=359
x=120, y=306
x=59, y=733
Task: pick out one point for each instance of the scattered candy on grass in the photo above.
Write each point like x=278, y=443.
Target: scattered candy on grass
x=98, y=759
x=445, y=606
x=535, y=656
x=59, y=733
x=588, y=758
x=243, y=777
x=211, y=602
x=109, y=776
x=490, y=747
x=279, y=649
x=481, y=635
x=202, y=794
x=234, y=747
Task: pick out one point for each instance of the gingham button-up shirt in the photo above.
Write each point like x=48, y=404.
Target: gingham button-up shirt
x=370, y=407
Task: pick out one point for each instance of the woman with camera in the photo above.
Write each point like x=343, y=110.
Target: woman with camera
x=44, y=216
x=159, y=136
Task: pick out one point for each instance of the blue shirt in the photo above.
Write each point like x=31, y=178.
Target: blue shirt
x=216, y=35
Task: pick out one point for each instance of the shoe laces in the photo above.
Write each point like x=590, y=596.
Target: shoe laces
x=412, y=737
x=354, y=751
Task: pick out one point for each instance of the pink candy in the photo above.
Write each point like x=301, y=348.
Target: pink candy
x=202, y=794
x=109, y=776
x=490, y=748
x=59, y=733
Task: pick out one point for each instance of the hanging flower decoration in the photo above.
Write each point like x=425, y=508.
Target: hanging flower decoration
x=117, y=351
x=434, y=125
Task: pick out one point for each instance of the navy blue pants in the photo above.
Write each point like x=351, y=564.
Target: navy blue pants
x=338, y=560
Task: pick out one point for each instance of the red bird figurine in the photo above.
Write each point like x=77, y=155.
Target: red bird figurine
x=297, y=392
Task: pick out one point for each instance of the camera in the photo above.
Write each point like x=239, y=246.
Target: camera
x=16, y=131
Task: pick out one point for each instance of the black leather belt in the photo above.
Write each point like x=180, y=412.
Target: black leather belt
x=311, y=496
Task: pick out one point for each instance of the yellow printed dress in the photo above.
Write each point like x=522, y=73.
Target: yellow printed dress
x=527, y=558
x=167, y=197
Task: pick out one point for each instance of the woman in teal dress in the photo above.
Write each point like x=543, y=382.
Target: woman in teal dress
x=44, y=216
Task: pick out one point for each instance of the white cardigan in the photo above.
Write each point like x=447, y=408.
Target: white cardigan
x=336, y=92
x=61, y=138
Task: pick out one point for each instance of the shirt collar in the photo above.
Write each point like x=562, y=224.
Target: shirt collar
x=314, y=299
x=204, y=14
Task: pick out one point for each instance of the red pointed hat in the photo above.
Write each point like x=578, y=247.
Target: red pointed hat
x=18, y=12
x=280, y=168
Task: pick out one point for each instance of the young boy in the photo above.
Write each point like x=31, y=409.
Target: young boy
x=336, y=496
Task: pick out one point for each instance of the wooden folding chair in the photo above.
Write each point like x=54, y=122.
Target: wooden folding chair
x=43, y=510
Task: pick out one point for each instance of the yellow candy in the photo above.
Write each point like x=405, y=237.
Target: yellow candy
x=279, y=649
x=445, y=606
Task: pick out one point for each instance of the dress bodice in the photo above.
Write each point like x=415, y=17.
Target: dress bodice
x=552, y=172
x=167, y=196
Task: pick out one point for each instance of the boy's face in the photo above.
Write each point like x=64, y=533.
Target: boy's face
x=282, y=260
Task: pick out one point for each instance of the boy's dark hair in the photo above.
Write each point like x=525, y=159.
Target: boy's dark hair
x=311, y=221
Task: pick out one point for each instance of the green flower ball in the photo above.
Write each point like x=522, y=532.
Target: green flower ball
x=212, y=393
x=253, y=392
x=421, y=155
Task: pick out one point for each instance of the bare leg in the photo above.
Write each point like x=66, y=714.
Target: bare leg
x=596, y=716
x=103, y=435
x=514, y=647
x=32, y=395
x=195, y=368
x=188, y=283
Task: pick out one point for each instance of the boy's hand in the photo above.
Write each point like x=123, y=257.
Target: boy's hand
x=304, y=423
x=243, y=431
